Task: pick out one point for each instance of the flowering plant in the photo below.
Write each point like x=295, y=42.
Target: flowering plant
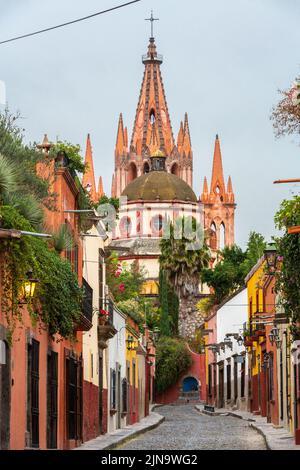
x=103, y=312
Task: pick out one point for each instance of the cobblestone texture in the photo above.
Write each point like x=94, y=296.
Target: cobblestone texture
x=185, y=428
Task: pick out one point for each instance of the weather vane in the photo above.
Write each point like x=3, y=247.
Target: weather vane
x=152, y=19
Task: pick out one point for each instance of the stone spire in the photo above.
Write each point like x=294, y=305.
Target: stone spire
x=186, y=145
x=205, y=193
x=217, y=185
x=121, y=144
x=88, y=179
x=230, y=194
x=152, y=107
x=100, y=188
x=180, y=137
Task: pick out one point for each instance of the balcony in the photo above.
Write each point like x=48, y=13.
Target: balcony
x=86, y=317
x=107, y=330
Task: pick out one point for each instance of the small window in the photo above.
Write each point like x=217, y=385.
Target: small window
x=112, y=389
x=157, y=224
x=125, y=226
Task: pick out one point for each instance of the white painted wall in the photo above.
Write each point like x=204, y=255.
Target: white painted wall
x=230, y=319
x=91, y=246
x=116, y=353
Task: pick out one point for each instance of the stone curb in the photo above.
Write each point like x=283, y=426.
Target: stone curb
x=112, y=440
x=272, y=443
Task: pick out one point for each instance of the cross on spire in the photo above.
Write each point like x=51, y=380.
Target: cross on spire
x=152, y=19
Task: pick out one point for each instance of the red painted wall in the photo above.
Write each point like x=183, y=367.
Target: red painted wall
x=196, y=370
x=90, y=411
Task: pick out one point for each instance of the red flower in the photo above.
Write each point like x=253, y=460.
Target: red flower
x=122, y=287
x=103, y=312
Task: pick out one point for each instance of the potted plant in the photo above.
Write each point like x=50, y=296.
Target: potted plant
x=103, y=316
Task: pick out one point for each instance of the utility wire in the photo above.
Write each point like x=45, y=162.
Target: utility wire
x=69, y=22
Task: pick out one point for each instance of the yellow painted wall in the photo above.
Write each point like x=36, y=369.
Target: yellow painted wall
x=131, y=356
x=255, y=294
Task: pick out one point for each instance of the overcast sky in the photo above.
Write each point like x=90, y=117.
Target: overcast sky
x=223, y=64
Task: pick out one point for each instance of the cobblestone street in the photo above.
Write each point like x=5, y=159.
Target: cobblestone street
x=186, y=428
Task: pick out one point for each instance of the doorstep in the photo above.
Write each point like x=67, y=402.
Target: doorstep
x=276, y=438
x=114, y=439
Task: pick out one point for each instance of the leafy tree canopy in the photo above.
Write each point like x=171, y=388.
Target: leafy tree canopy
x=228, y=275
x=172, y=359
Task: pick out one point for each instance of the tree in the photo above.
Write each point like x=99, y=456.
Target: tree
x=229, y=274
x=164, y=323
x=286, y=114
x=181, y=263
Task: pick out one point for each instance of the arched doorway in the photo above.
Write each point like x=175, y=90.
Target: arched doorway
x=190, y=385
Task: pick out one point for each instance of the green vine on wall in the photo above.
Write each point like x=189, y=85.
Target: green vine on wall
x=57, y=302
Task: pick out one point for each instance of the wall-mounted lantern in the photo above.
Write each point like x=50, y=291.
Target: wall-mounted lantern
x=131, y=344
x=271, y=258
x=28, y=287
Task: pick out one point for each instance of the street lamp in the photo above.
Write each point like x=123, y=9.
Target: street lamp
x=271, y=258
x=28, y=286
x=240, y=341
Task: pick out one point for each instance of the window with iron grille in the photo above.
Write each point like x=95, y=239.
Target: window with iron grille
x=74, y=398
x=243, y=371
x=271, y=374
x=235, y=379
x=209, y=380
x=124, y=396
x=52, y=386
x=228, y=378
x=87, y=303
x=112, y=389
x=33, y=392
x=134, y=384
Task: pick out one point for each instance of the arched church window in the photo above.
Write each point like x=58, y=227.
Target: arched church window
x=218, y=189
x=213, y=236
x=152, y=116
x=146, y=168
x=175, y=169
x=132, y=172
x=157, y=224
x=222, y=236
x=125, y=226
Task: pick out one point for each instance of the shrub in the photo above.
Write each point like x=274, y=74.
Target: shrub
x=172, y=359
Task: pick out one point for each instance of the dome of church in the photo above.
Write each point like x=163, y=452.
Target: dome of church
x=159, y=185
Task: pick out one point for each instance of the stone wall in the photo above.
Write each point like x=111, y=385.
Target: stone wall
x=189, y=317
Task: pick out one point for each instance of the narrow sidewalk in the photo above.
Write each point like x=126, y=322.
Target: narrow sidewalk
x=118, y=437
x=276, y=438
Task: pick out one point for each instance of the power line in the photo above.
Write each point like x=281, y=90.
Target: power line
x=45, y=30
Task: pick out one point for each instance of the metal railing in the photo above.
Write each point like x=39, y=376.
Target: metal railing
x=87, y=303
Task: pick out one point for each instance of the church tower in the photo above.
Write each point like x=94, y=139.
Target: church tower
x=152, y=131
x=219, y=205
x=88, y=179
